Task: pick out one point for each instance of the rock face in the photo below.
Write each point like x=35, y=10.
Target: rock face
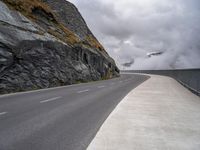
x=46, y=43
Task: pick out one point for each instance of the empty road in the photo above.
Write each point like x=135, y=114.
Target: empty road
x=64, y=118
x=160, y=114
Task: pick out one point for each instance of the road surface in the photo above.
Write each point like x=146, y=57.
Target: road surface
x=159, y=114
x=64, y=118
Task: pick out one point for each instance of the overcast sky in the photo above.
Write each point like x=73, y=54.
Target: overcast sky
x=129, y=29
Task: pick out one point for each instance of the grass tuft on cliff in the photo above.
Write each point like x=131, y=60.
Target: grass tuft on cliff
x=33, y=8
x=27, y=7
x=94, y=43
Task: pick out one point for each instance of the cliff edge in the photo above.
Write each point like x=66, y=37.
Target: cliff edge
x=46, y=43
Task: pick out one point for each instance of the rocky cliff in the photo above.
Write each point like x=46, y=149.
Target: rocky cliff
x=46, y=43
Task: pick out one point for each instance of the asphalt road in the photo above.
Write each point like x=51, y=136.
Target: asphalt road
x=65, y=118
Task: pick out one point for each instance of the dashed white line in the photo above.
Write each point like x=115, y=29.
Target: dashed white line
x=112, y=83
x=101, y=86
x=83, y=91
x=49, y=100
x=3, y=113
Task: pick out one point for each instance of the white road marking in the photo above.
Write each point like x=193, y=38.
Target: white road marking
x=101, y=86
x=112, y=83
x=51, y=99
x=41, y=90
x=83, y=91
x=120, y=81
x=3, y=113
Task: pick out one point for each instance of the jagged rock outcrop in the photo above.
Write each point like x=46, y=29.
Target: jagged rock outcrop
x=46, y=43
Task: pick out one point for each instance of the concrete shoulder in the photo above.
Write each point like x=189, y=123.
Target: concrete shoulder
x=158, y=114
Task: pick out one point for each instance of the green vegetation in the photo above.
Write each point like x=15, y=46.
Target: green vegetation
x=92, y=42
x=27, y=8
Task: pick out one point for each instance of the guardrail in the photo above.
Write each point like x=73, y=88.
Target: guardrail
x=189, y=78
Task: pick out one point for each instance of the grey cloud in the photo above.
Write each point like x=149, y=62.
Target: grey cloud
x=129, y=29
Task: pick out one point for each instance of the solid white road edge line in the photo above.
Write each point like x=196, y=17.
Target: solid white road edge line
x=83, y=91
x=51, y=99
x=46, y=89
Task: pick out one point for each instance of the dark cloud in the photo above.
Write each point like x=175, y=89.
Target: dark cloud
x=131, y=28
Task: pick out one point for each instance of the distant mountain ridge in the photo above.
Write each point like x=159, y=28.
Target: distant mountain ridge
x=46, y=43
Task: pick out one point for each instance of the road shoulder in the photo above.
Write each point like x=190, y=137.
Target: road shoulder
x=158, y=114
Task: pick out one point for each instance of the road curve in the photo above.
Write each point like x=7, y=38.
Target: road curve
x=160, y=114
x=65, y=118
